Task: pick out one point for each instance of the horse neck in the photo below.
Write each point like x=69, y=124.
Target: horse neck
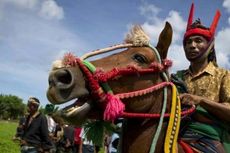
x=138, y=134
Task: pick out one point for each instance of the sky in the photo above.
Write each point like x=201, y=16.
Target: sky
x=34, y=33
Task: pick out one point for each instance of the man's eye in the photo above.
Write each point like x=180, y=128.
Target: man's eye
x=188, y=42
x=199, y=40
x=140, y=58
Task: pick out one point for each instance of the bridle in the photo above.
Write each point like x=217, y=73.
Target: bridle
x=113, y=105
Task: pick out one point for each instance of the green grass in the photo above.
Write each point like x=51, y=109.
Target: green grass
x=7, y=131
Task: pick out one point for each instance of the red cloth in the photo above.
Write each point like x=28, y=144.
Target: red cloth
x=77, y=138
x=185, y=147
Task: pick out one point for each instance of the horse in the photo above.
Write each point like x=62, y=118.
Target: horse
x=132, y=83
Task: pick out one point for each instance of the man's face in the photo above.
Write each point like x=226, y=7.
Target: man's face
x=194, y=46
x=31, y=107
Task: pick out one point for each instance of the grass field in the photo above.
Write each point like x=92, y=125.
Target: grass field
x=7, y=131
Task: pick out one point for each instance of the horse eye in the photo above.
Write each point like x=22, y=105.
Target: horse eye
x=140, y=58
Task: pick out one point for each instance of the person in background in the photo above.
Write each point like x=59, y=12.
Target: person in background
x=208, y=88
x=114, y=138
x=86, y=146
x=68, y=136
x=35, y=131
x=49, y=110
x=77, y=138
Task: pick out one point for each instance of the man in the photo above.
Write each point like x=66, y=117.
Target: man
x=35, y=136
x=49, y=110
x=208, y=87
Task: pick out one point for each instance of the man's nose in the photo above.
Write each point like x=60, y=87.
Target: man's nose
x=192, y=44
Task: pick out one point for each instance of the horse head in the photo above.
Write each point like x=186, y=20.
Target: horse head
x=68, y=82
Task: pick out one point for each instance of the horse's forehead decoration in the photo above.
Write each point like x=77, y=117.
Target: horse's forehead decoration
x=57, y=64
x=137, y=37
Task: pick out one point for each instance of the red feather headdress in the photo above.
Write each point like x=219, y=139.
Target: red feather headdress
x=207, y=33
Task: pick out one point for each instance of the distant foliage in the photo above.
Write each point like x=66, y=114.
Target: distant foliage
x=11, y=107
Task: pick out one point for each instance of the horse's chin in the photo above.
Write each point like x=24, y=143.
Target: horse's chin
x=77, y=112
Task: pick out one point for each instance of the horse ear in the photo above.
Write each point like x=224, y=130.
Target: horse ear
x=165, y=40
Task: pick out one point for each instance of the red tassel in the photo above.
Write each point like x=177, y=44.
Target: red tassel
x=114, y=108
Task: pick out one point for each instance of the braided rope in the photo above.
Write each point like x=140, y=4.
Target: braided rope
x=104, y=50
x=101, y=76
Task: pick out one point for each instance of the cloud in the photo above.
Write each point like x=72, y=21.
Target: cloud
x=177, y=55
x=50, y=10
x=179, y=24
x=222, y=47
x=47, y=9
x=23, y=4
x=150, y=11
x=226, y=4
x=222, y=41
x=29, y=44
x=153, y=29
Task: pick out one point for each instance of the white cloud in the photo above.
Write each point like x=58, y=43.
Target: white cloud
x=47, y=9
x=150, y=11
x=222, y=41
x=29, y=45
x=176, y=51
x=50, y=10
x=177, y=55
x=153, y=29
x=223, y=47
x=154, y=24
x=23, y=4
x=178, y=25
x=226, y=4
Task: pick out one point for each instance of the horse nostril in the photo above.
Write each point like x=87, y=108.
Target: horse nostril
x=63, y=77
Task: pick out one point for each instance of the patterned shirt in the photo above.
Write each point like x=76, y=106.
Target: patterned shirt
x=213, y=82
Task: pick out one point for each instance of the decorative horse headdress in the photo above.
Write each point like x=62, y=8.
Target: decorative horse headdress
x=200, y=29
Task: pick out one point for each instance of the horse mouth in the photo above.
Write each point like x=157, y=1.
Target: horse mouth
x=78, y=109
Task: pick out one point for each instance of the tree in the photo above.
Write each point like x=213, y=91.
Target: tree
x=11, y=107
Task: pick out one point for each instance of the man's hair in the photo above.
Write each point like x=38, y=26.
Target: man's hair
x=198, y=24
x=212, y=57
x=34, y=100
